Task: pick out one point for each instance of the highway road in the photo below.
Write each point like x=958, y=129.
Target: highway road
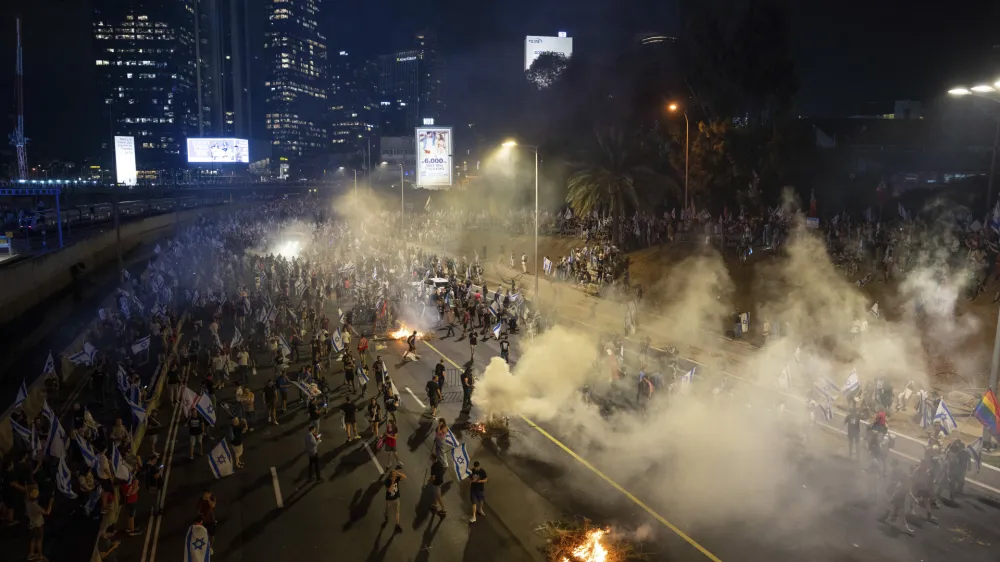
x=822, y=512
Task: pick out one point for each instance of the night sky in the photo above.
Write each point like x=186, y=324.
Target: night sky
x=847, y=52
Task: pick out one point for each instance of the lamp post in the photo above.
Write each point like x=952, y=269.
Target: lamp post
x=687, y=145
x=980, y=91
x=402, y=200
x=513, y=144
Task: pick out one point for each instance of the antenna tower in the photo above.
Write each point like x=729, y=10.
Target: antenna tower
x=17, y=137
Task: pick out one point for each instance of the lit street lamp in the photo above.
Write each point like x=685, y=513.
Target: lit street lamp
x=355, y=183
x=979, y=91
x=513, y=144
x=687, y=139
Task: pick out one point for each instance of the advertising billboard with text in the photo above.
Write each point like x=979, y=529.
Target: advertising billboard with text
x=434, y=167
x=535, y=45
x=125, y=160
x=218, y=151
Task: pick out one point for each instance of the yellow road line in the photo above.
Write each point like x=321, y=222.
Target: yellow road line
x=676, y=530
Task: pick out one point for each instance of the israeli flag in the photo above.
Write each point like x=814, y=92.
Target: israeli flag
x=123, y=384
x=79, y=358
x=221, y=460
x=56, y=445
x=156, y=310
x=22, y=431
x=827, y=388
x=361, y=374
x=874, y=310
x=336, y=341
x=91, y=352
x=547, y=266
x=22, y=393
x=686, y=380
x=495, y=308
x=341, y=315
x=496, y=331
x=196, y=546
x=140, y=345
x=92, y=502
x=48, y=412
x=118, y=466
x=86, y=451
x=205, y=408
x=460, y=458
x=450, y=440
x=237, y=338
x=852, y=383
x=286, y=349
x=295, y=318
x=138, y=412
x=976, y=451
x=50, y=366
x=943, y=415
x=64, y=479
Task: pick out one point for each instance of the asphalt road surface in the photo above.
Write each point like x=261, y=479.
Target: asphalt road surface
x=541, y=477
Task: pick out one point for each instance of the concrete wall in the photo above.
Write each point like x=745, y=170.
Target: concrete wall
x=29, y=282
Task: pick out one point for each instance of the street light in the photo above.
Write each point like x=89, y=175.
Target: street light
x=402, y=205
x=355, y=182
x=673, y=108
x=978, y=92
x=513, y=144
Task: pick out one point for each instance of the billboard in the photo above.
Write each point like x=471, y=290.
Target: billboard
x=218, y=151
x=434, y=156
x=125, y=160
x=535, y=45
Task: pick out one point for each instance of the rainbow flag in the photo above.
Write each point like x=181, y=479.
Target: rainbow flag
x=988, y=411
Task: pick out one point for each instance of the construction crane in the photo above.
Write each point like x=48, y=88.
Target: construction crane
x=17, y=137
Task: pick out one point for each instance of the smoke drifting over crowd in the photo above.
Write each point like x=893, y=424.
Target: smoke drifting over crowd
x=720, y=459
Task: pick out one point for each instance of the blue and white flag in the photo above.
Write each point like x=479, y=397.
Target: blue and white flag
x=196, y=545
x=50, y=366
x=495, y=308
x=125, y=308
x=19, y=429
x=57, y=441
x=22, y=394
x=943, y=415
x=547, y=266
x=826, y=387
x=138, y=412
x=91, y=352
x=496, y=331
x=237, y=338
x=337, y=341
x=64, y=479
x=221, y=460
x=286, y=349
x=79, y=358
x=450, y=440
x=118, y=466
x=123, y=384
x=460, y=458
x=48, y=412
x=92, y=502
x=976, y=452
x=140, y=345
x=852, y=383
x=205, y=408
x=686, y=380
x=342, y=316
x=361, y=374
x=157, y=310
x=86, y=451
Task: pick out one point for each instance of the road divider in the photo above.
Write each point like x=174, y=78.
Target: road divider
x=280, y=501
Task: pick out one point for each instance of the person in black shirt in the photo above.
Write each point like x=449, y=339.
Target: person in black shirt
x=271, y=401
x=314, y=413
x=392, y=495
x=472, y=344
x=467, y=385
x=435, y=480
x=505, y=349
x=853, y=422
x=477, y=491
x=174, y=382
x=411, y=343
x=350, y=419
x=379, y=367
x=196, y=431
x=439, y=374
x=433, y=396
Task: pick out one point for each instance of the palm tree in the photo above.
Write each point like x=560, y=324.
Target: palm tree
x=612, y=178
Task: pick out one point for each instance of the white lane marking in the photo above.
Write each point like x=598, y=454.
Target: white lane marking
x=374, y=460
x=986, y=487
x=414, y=397
x=837, y=409
x=168, y=455
x=277, y=488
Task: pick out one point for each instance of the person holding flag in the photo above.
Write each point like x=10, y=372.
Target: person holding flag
x=198, y=542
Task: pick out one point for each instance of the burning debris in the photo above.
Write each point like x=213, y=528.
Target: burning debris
x=583, y=542
x=404, y=332
x=494, y=430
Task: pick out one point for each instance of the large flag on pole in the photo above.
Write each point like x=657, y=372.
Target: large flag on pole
x=221, y=460
x=196, y=545
x=22, y=394
x=988, y=411
x=206, y=409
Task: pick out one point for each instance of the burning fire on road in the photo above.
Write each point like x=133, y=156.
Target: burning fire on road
x=582, y=542
x=404, y=332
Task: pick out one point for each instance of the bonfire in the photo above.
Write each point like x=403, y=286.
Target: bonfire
x=403, y=332
x=583, y=542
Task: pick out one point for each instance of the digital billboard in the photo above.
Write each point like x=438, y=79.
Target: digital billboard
x=218, y=151
x=434, y=156
x=125, y=160
x=535, y=45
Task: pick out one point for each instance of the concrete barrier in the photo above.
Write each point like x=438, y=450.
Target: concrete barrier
x=31, y=281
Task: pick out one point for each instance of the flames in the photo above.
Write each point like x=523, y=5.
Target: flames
x=591, y=549
x=403, y=332
x=479, y=428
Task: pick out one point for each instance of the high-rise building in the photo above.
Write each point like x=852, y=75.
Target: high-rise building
x=353, y=111
x=409, y=87
x=147, y=78
x=230, y=67
x=296, y=83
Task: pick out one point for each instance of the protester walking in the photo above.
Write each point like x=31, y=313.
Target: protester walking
x=392, y=481
x=477, y=490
